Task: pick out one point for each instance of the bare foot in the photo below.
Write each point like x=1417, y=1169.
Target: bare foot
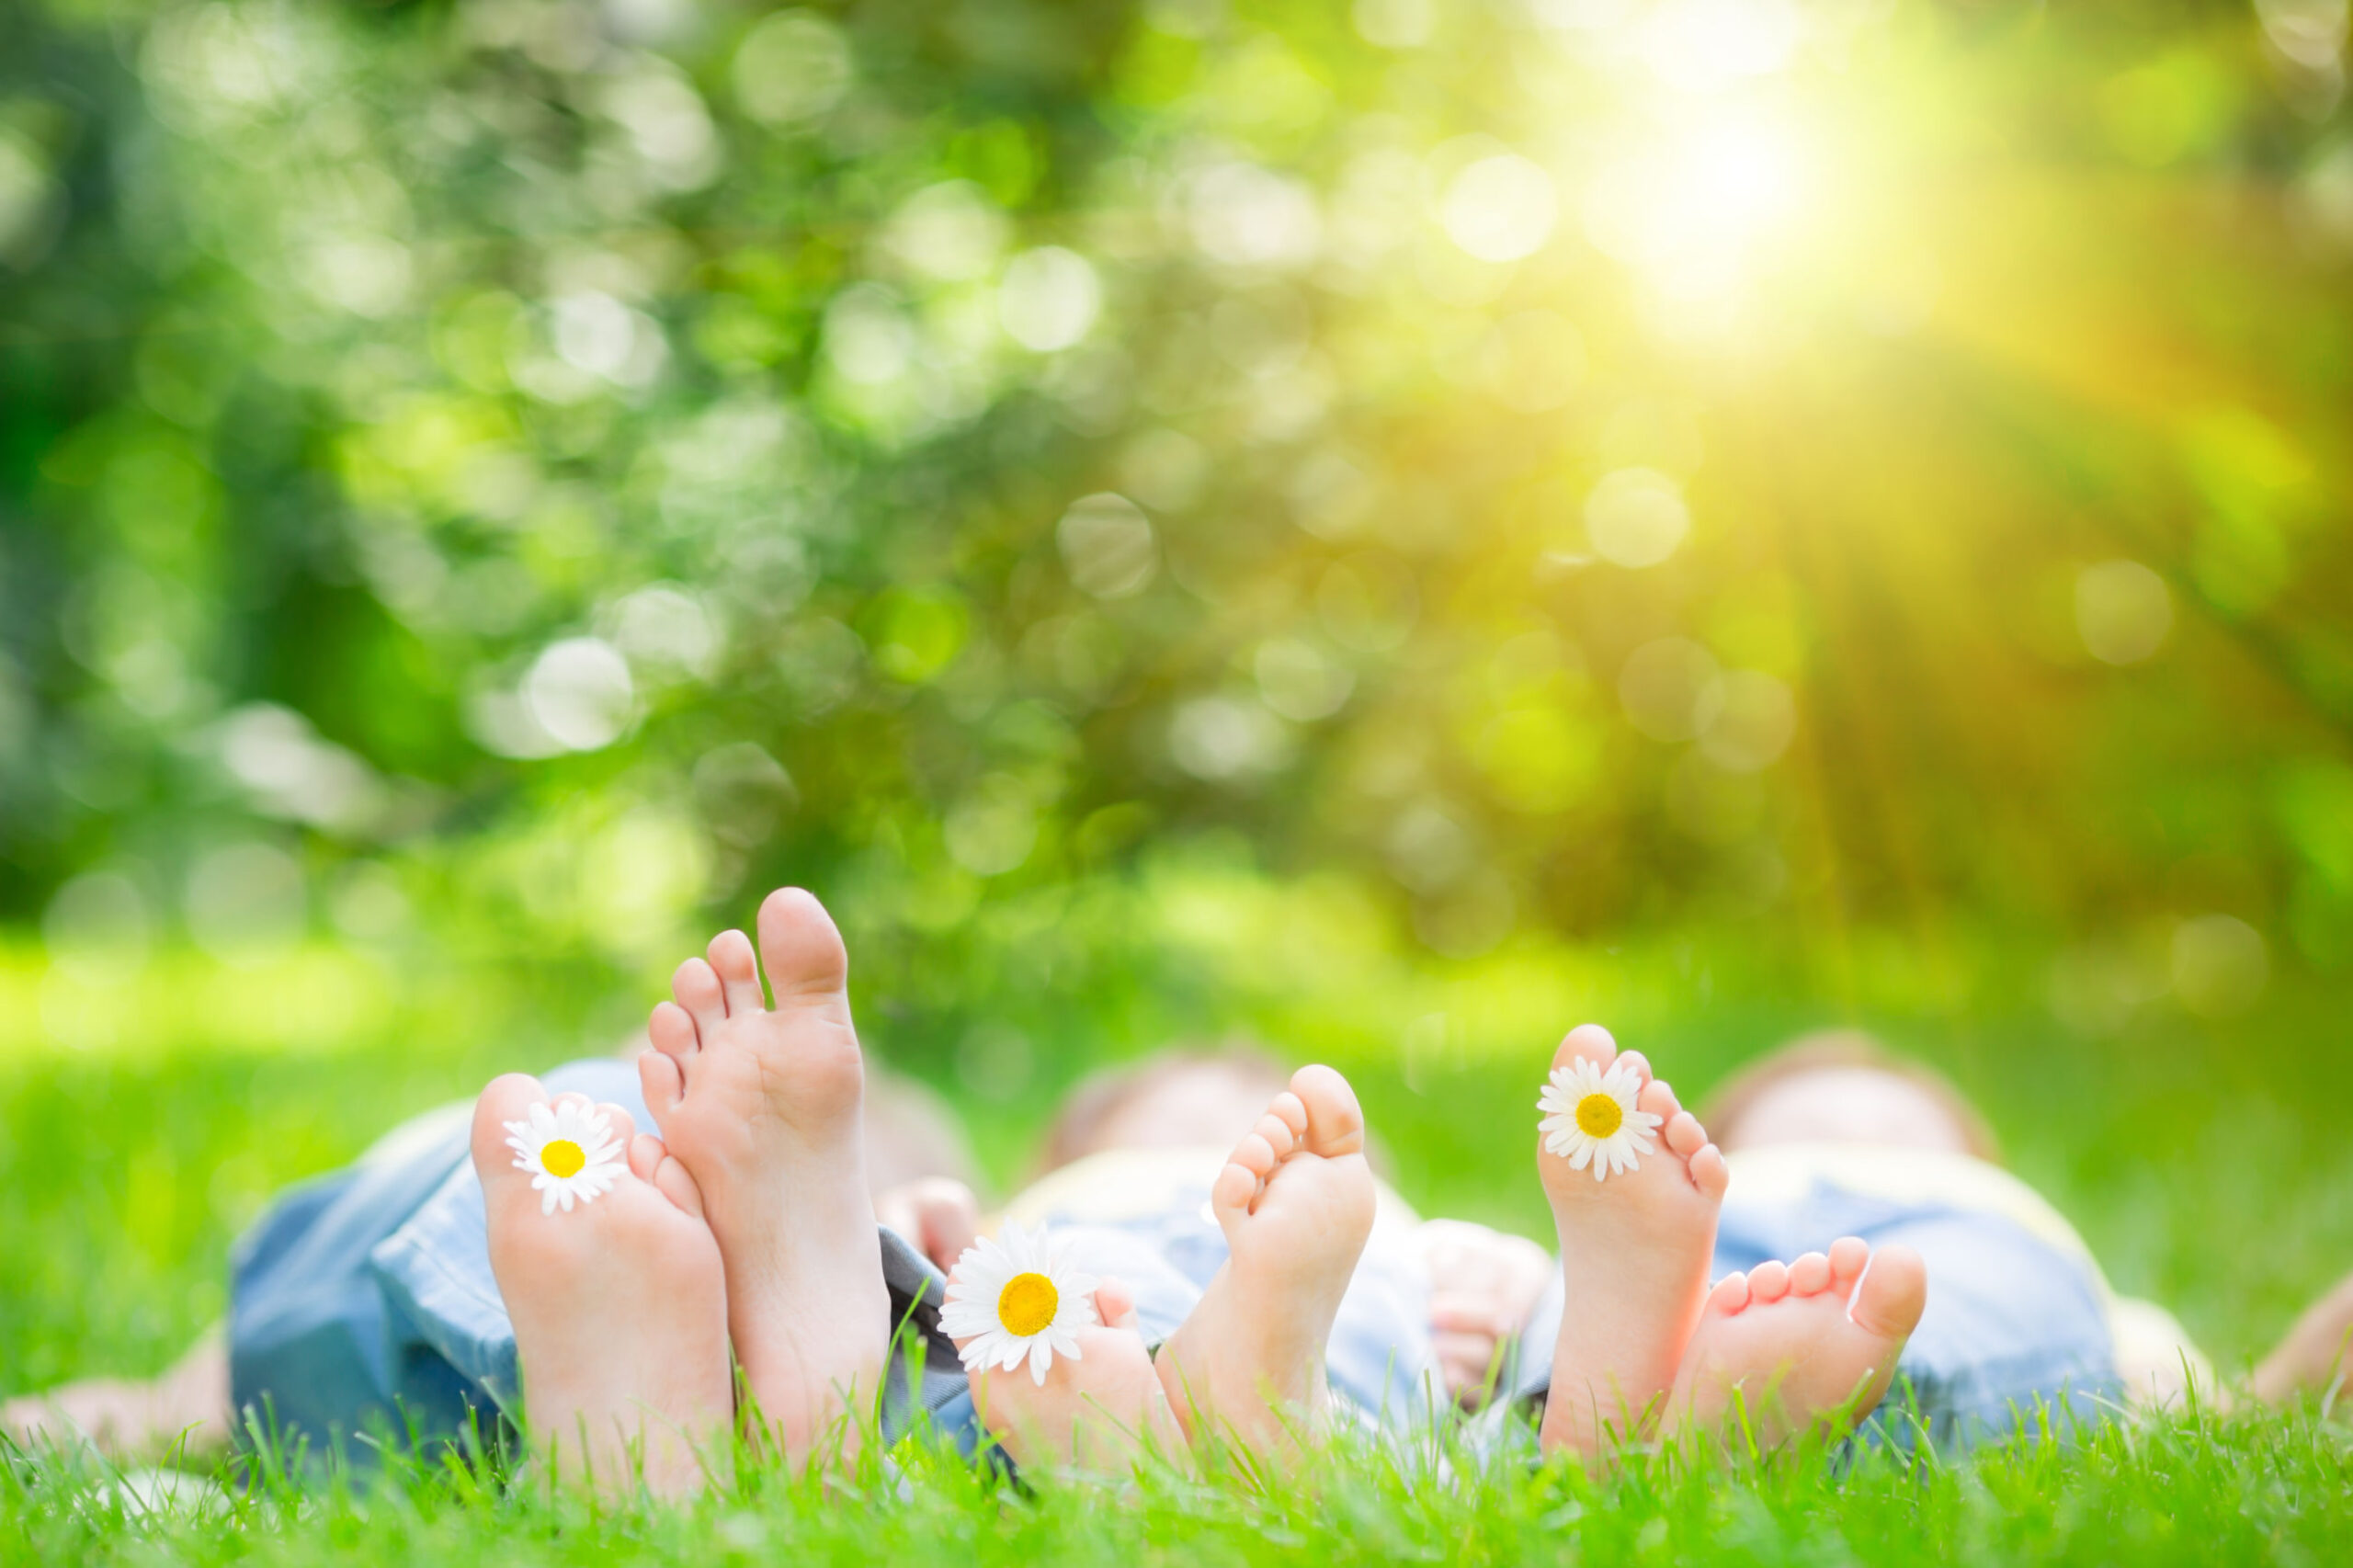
x=1801, y=1345
x=1296, y=1204
x=763, y=1108
x=1634, y=1251
x=2313, y=1358
x=1484, y=1285
x=1097, y=1412
x=618, y=1306
x=183, y=1414
x=938, y=1216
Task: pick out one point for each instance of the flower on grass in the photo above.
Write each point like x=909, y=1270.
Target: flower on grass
x=570, y=1150
x=1590, y=1117
x=1014, y=1298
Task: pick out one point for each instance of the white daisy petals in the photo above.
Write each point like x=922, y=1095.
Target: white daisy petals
x=1016, y=1297
x=571, y=1152
x=1590, y=1119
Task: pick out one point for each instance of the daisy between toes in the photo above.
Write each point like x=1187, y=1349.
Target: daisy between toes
x=1017, y=1298
x=1590, y=1117
x=570, y=1150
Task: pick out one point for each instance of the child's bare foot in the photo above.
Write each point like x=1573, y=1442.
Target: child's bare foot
x=1634, y=1253
x=1098, y=1412
x=1296, y=1203
x=763, y=1107
x=2313, y=1357
x=619, y=1305
x=1800, y=1344
x=938, y=1216
x=181, y=1415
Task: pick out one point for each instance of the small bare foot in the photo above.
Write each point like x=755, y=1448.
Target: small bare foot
x=1801, y=1345
x=2313, y=1357
x=1096, y=1412
x=1634, y=1251
x=938, y=1216
x=619, y=1305
x=1484, y=1285
x=1296, y=1204
x=763, y=1106
x=181, y=1415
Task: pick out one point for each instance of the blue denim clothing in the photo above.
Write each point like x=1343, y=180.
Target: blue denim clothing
x=1379, y=1361
x=366, y=1296
x=2013, y=1324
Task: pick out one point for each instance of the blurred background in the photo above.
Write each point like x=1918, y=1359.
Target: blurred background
x=1387, y=528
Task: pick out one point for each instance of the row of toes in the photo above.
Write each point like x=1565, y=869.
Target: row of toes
x=1813, y=1274
x=510, y=1098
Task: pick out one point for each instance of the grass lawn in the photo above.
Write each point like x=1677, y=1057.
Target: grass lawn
x=2207, y=1169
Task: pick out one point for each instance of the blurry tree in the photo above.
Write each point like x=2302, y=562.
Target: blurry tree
x=1585, y=465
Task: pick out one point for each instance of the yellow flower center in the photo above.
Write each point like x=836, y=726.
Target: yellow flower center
x=1598, y=1115
x=1026, y=1303
x=563, y=1157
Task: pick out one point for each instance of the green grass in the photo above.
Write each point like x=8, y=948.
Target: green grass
x=2207, y=1167
x=2196, y=1490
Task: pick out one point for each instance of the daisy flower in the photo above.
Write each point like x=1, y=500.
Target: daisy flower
x=1590, y=1117
x=570, y=1150
x=1016, y=1297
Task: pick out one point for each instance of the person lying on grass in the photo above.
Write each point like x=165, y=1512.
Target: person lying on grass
x=1252, y=1293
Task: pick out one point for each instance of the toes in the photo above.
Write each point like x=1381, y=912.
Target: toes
x=738, y=971
x=1767, y=1283
x=664, y=1084
x=1590, y=1041
x=669, y=1178
x=621, y=1125
x=1658, y=1097
x=1730, y=1296
x=1848, y=1254
x=699, y=992
x=1640, y=1065
x=1809, y=1275
x=1685, y=1135
x=802, y=949
x=672, y=1029
x=1893, y=1293
x=1254, y=1154
x=1115, y=1304
x=1278, y=1133
x=1235, y=1189
x=1335, y=1120
x=509, y=1097
x=1293, y=1114
x=1708, y=1172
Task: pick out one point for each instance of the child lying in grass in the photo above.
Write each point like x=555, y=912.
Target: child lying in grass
x=1254, y=1289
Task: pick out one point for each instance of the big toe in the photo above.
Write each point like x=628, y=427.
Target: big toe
x=1335, y=1120
x=1588, y=1043
x=801, y=950
x=509, y=1097
x=1893, y=1293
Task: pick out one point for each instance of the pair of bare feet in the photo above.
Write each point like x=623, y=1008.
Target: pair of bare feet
x=747, y=1226
x=1646, y=1348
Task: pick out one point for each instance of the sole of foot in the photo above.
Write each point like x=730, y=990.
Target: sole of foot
x=1634, y=1253
x=764, y=1107
x=618, y=1304
x=1099, y=1413
x=1784, y=1350
x=1296, y=1202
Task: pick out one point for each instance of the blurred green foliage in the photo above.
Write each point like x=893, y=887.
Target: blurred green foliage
x=501, y=482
